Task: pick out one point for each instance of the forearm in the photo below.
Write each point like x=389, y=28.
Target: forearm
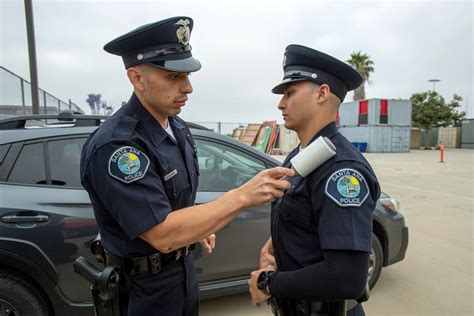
x=192, y=224
x=342, y=275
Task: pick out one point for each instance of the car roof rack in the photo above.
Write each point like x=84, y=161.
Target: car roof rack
x=64, y=117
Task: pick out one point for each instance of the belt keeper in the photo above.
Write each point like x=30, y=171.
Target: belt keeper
x=154, y=263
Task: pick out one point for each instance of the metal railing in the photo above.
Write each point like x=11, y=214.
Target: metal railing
x=15, y=97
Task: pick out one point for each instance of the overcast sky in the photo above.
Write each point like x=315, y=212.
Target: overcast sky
x=240, y=45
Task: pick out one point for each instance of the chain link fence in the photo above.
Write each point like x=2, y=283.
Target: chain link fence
x=224, y=128
x=15, y=97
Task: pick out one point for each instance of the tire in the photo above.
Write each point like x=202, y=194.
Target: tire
x=20, y=297
x=375, y=262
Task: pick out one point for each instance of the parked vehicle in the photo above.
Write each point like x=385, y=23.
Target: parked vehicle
x=47, y=221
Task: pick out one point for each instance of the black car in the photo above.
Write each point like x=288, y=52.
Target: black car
x=47, y=221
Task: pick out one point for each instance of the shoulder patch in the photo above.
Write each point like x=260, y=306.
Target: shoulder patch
x=128, y=164
x=347, y=187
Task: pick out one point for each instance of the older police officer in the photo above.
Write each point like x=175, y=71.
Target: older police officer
x=321, y=228
x=141, y=172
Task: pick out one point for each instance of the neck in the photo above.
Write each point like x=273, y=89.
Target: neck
x=159, y=117
x=313, y=127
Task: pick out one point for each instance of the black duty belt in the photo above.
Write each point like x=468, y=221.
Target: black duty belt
x=147, y=264
x=330, y=308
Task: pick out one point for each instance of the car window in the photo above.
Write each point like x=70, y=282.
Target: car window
x=223, y=168
x=64, y=158
x=29, y=167
x=3, y=152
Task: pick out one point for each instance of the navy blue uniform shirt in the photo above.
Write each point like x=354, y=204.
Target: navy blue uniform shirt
x=330, y=209
x=136, y=174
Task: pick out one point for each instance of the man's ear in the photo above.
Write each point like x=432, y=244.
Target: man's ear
x=324, y=93
x=136, y=77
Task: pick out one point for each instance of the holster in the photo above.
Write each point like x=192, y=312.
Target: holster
x=105, y=286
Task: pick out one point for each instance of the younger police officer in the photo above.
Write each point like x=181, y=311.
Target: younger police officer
x=321, y=229
x=141, y=172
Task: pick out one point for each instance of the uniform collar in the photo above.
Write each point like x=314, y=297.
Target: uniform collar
x=328, y=131
x=156, y=132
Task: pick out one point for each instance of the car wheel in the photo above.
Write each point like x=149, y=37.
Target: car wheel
x=20, y=297
x=375, y=262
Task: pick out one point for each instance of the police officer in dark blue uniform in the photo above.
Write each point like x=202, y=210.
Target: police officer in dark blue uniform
x=141, y=172
x=321, y=229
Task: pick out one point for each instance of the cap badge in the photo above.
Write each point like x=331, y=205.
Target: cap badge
x=183, y=33
x=139, y=56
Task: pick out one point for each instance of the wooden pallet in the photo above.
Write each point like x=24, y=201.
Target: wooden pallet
x=250, y=133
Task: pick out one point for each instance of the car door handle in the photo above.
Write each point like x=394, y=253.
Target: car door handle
x=25, y=219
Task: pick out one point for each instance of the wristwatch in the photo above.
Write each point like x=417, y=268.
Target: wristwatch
x=263, y=281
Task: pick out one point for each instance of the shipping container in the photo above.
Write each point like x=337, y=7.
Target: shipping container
x=384, y=125
x=379, y=138
x=377, y=111
x=467, y=134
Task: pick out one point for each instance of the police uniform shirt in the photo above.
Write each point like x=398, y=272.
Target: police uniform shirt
x=330, y=209
x=136, y=174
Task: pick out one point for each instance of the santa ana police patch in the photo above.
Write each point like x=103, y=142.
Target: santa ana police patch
x=128, y=164
x=347, y=187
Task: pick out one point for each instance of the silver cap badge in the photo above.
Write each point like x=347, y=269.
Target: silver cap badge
x=183, y=33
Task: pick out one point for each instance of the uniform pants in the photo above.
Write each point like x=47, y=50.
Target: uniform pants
x=165, y=294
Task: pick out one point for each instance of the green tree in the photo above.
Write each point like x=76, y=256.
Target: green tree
x=364, y=66
x=430, y=110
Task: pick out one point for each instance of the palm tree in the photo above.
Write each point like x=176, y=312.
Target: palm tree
x=363, y=65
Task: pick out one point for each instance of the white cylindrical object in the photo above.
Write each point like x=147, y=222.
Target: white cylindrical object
x=317, y=153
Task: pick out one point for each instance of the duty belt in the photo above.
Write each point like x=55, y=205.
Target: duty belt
x=335, y=308
x=147, y=264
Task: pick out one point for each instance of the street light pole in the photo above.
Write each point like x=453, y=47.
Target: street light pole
x=30, y=31
x=434, y=81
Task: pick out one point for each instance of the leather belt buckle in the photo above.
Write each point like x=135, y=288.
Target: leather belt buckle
x=154, y=263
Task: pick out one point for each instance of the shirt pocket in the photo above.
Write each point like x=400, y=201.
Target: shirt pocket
x=175, y=185
x=296, y=211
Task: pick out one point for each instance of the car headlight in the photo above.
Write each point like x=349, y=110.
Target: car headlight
x=391, y=204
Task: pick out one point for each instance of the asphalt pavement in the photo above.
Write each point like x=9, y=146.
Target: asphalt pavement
x=436, y=276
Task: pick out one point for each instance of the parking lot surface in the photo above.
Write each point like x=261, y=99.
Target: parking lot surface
x=436, y=277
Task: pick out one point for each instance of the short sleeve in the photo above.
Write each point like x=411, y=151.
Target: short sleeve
x=124, y=179
x=344, y=199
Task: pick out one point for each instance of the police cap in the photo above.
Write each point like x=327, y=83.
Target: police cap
x=164, y=44
x=304, y=63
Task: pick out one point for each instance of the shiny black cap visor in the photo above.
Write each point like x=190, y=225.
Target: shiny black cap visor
x=189, y=64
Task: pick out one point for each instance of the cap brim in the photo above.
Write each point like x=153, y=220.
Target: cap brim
x=189, y=64
x=278, y=89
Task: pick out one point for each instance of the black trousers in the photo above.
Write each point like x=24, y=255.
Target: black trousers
x=168, y=293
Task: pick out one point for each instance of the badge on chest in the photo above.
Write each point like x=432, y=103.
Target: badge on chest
x=128, y=164
x=347, y=187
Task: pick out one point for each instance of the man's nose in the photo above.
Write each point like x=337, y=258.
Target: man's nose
x=281, y=104
x=187, y=86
